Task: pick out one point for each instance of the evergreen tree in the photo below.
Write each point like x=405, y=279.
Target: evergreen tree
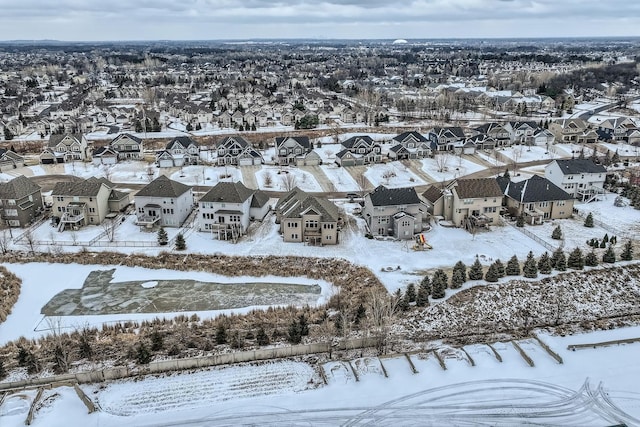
x=157, y=342
x=143, y=355
x=221, y=334
x=591, y=260
x=506, y=173
x=557, y=233
x=603, y=244
x=475, y=271
x=438, y=284
x=401, y=301
x=530, y=268
x=424, y=290
x=360, y=314
x=410, y=293
x=627, y=252
x=613, y=240
x=544, y=264
x=588, y=221
x=559, y=260
x=181, y=245
x=303, y=325
x=155, y=127
x=460, y=266
x=576, y=259
x=520, y=221
x=513, y=267
x=22, y=356
x=189, y=127
x=163, y=238
x=609, y=256
x=605, y=239
x=294, y=336
x=457, y=279
x=500, y=271
x=3, y=370
x=492, y=273
x=261, y=337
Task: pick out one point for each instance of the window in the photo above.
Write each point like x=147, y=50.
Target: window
x=543, y=204
x=560, y=203
x=292, y=224
x=311, y=223
x=468, y=201
x=92, y=210
x=234, y=218
x=328, y=237
x=294, y=236
x=12, y=202
x=60, y=198
x=328, y=226
x=406, y=223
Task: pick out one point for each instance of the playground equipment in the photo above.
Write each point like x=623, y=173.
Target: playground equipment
x=421, y=243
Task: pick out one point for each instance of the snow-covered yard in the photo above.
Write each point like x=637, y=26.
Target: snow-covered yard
x=340, y=178
x=447, y=166
x=523, y=153
x=285, y=178
x=392, y=175
x=207, y=175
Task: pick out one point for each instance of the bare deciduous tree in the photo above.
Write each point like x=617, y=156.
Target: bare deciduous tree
x=268, y=179
x=109, y=226
x=442, y=160
x=29, y=241
x=381, y=308
x=5, y=240
x=289, y=181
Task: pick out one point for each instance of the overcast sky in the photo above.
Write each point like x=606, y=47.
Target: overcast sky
x=229, y=19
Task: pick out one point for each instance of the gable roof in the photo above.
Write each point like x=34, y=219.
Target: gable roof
x=55, y=139
x=297, y=201
x=260, y=198
x=128, y=136
x=383, y=196
x=227, y=192
x=575, y=166
x=535, y=189
x=86, y=188
x=184, y=141
x=415, y=135
x=477, y=187
x=231, y=139
x=351, y=142
x=432, y=193
x=163, y=187
x=18, y=188
x=302, y=140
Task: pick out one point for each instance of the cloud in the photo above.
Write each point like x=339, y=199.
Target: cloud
x=148, y=19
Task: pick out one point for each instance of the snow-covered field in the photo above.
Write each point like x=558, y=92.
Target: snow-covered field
x=592, y=387
x=340, y=178
x=392, y=175
x=454, y=167
x=523, y=153
x=206, y=175
x=276, y=178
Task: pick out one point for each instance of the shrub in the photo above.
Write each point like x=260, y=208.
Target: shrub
x=143, y=355
x=261, y=337
x=609, y=256
x=627, y=252
x=520, y=221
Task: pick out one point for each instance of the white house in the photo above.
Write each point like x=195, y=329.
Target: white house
x=581, y=178
x=163, y=202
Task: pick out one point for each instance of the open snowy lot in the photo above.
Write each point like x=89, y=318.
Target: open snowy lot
x=340, y=178
x=454, y=167
x=206, y=175
x=285, y=178
x=392, y=175
x=523, y=153
x=581, y=391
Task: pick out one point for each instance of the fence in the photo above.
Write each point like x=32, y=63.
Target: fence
x=119, y=372
x=535, y=238
x=611, y=229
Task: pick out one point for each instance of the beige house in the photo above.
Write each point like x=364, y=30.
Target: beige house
x=396, y=212
x=466, y=203
x=309, y=219
x=87, y=202
x=537, y=199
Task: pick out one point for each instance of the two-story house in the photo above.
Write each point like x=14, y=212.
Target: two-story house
x=617, y=129
x=499, y=132
x=163, y=202
x=296, y=150
x=409, y=145
x=521, y=132
x=10, y=160
x=307, y=218
x=359, y=150
x=235, y=150
x=445, y=138
x=396, y=212
x=180, y=151
x=581, y=178
x=227, y=209
x=536, y=199
x=87, y=202
x=66, y=148
x=128, y=147
x=573, y=130
x=20, y=201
